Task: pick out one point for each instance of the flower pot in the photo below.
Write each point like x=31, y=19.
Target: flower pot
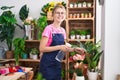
x=92, y=75
x=72, y=37
x=80, y=78
x=89, y=4
x=82, y=36
x=88, y=36
x=71, y=5
x=77, y=36
x=25, y=56
x=9, y=55
x=79, y=5
x=34, y=57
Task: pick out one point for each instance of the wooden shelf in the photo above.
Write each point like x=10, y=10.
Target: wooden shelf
x=32, y=40
x=80, y=18
x=23, y=60
x=82, y=40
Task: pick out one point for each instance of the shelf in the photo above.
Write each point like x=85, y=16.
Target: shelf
x=81, y=8
x=81, y=18
x=32, y=40
x=80, y=39
x=24, y=60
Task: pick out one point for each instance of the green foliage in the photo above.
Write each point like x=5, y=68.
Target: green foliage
x=41, y=24
x=62, y=73
x=79, y=72
x=39, y=76
x=88, y=31
x=93, y=53
x=34, y=51
x=8, y=24
x=23, y=13
x=72, y=32
x=19, y=44
x=83, y=32
x=78, y=31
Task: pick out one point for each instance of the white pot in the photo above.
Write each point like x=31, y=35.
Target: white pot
x=34, y=57
x=71, y=5
x=77, y=36
x=82, y=36
x=80, y=78
x=88, y=36
x=79, y=5
x=30, y=56
x=72, y=37
x=75, y=5
x=89, y=4
x=92, y=75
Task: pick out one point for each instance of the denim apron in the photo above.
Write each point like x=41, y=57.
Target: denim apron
x=49, y=67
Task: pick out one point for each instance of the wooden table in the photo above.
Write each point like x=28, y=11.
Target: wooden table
x=16, y=75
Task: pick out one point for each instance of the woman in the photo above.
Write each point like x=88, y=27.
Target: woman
x=53, y=39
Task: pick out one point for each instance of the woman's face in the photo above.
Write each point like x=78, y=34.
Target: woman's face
x=59, y=15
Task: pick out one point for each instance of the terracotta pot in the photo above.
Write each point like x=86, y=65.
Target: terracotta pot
x=9, y=55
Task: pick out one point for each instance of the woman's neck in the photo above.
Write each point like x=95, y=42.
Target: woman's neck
x=57, y=25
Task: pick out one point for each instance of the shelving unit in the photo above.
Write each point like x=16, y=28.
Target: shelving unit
x=81, y=18
x=81, y=15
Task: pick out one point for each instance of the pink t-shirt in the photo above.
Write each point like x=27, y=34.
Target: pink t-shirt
x=51, y=29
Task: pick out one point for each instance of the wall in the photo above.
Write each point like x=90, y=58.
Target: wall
x=111, y=37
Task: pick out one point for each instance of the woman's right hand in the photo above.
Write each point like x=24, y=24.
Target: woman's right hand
x=64, y=48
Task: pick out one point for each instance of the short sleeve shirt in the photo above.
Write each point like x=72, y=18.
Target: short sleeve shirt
x=49, y=30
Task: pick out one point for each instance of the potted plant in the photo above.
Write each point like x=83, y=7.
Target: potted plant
x=19, y=48
x=72, y=34
x=93, y=54
x=23, y=15
x=34, y=53
x=88, y=33
x=83, y=34
x=41, y=24
x=79, y=66
x=78, y=33
x=8, y=24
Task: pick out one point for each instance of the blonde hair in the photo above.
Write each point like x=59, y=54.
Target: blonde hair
x=56, y=7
